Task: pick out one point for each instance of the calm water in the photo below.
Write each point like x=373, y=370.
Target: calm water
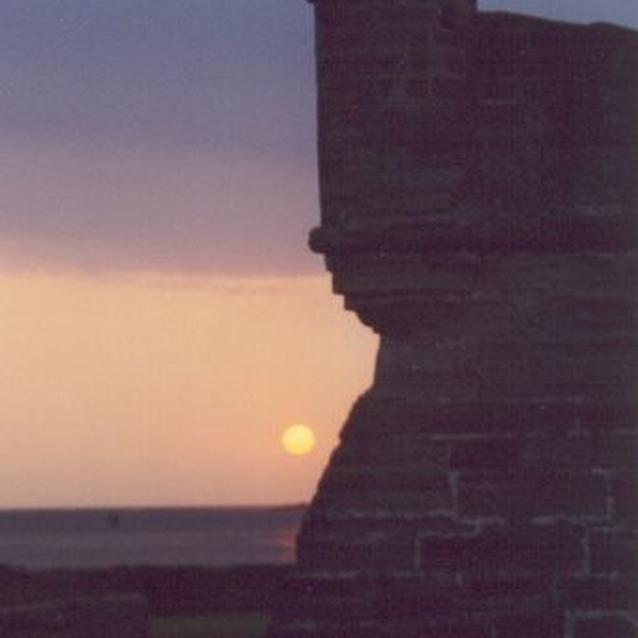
x=41, y=539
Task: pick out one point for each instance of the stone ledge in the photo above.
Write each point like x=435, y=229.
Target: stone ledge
x=562, y=235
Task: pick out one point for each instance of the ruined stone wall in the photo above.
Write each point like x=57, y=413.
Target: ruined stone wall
x=477, y=180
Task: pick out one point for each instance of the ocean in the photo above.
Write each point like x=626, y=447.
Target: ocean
x=101, y=538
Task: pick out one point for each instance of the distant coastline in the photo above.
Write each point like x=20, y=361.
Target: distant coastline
x=102, y=538
x=128, y=508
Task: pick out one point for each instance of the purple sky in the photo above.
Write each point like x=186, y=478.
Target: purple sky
x=167, y=135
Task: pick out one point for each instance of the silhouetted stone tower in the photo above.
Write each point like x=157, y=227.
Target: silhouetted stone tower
x=478, y=181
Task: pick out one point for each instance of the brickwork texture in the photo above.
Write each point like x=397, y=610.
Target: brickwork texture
x=478, y=194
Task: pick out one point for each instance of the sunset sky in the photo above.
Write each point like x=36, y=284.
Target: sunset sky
x=161, y=319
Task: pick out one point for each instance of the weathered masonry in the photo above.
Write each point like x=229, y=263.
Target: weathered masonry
x=478, y=178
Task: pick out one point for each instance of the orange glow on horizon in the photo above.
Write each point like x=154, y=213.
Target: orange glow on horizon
x=152, y=390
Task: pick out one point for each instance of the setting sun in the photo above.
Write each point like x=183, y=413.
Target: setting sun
x=298, y=440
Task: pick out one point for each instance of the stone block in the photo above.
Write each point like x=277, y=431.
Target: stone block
x=618, y=592
x=470, y=630
x=490, y=453
x=508, y=592
x=618, y=626
x=414, y=597
x=613, y=551
x=526, y=548
x=521, y=495
x=548, y=625
x=624, y=492
x=371, y=550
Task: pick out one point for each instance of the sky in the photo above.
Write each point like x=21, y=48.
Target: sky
x=161, y=318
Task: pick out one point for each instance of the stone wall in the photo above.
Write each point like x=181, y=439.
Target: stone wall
x=478, y=200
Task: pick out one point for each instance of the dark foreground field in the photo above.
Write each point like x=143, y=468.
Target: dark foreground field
x=246, y=625
x=183, y=602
